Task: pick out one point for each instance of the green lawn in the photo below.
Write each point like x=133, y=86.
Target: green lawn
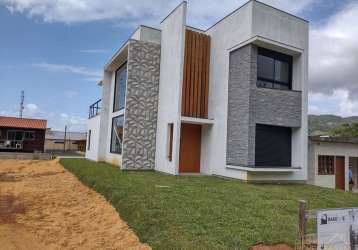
x=171, y=212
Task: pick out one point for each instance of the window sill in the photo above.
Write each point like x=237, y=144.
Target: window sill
x=287, y=90
x=265, y=169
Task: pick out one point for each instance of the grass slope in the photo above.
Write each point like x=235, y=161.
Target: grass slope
x=172, y=212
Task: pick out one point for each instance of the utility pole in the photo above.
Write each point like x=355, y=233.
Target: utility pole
x=64, y=140
x=22, y=98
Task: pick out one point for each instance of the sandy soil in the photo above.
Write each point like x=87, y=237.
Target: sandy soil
x=42, y=206
x=274, y=247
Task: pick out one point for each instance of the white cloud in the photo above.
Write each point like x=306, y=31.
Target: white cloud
x=63, y=68
x=71, y=94
x=94, y=51
x=138, y=11
x=337, y=103
x=334, y=53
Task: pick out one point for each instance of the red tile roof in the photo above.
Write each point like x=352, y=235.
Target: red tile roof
x=13, y=122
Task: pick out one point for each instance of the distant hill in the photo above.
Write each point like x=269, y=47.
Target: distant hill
x=321, y=124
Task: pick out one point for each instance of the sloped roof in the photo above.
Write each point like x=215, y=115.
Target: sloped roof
x=14, y=122
x=60, y=135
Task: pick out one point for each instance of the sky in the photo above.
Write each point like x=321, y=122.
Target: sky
x=56, y=50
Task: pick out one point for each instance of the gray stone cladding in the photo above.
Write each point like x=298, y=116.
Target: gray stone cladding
x=141, y=109
x=249, y=105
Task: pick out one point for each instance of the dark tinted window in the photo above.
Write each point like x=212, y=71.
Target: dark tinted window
x=29, y=135
x=15, y=135
x=272, y=146
x=117, y=134
x=120, y=88
x=326, y=165
x=274, y=70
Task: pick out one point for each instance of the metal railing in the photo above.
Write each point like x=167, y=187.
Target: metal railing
x=95, y=109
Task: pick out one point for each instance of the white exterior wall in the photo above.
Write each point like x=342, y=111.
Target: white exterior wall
x=334, y=149
x=226, y=34
x=171, y=78
x=255, y=21
x=93, y=125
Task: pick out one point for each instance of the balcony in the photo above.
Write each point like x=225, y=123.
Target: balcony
x=95, y=109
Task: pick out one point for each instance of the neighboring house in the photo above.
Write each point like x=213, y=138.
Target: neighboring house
x=229, y=101
x=329, y=159
x=55, y=141
x=22, y=135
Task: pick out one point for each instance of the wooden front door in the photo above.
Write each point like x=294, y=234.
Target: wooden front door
x=340, y=173
x=190, y=148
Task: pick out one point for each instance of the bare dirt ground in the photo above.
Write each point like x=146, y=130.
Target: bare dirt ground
x=274, y=247
x=42, y=206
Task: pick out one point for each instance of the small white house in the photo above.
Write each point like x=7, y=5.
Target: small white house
x=230, y=100
x=329, y=159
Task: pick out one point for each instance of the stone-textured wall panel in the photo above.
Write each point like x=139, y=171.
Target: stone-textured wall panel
x=249, y=105
x=238, y=107
x=277, y=107
x=141, y=105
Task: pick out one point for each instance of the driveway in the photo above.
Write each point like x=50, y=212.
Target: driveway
x=42, y=206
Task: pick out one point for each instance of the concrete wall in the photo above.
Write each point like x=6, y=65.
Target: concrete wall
x=242, y=27
x=51, y=145
x=93, y=125
x=327, y=148
x=231, y=31
x=171, y=78
x=141, y=105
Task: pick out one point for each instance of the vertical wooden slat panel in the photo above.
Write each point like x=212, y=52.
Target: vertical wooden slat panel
x=185, y=76
x=205, y=56
x=200, y=72
x=196, y=75
x=192, y=75
x=187, y=99
x=207, y=67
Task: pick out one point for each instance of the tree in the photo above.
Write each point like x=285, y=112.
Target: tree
x=345, y=130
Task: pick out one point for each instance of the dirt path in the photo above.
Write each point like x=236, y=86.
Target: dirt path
x=42, y=206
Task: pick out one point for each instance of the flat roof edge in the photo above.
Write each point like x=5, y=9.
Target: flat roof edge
x=249, y=1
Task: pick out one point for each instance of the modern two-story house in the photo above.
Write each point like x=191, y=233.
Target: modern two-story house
x=228, y=101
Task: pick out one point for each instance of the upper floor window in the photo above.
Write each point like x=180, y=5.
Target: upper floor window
x=120, y=88
x=274, y=70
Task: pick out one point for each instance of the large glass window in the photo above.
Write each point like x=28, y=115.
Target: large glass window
x=272, y=146
x=117, y=134
x=274, y=70
x=14, y=135
x=120, y=88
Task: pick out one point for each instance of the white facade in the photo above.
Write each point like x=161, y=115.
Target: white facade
x=253, y=23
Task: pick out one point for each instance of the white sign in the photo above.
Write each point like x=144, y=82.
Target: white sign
x=333, y=229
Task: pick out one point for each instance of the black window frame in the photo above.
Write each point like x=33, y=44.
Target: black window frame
x=276, y=56
x=111, y=144
x=16, y=131
x=32, y=138
x=116, y=86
